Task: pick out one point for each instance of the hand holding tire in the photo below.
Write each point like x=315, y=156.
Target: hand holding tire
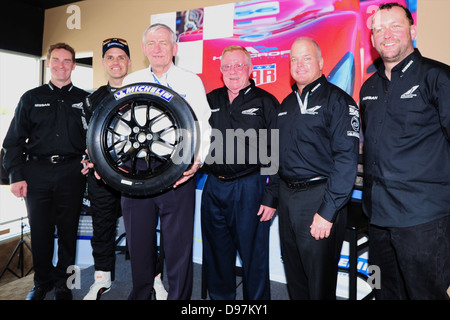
x=142, y=139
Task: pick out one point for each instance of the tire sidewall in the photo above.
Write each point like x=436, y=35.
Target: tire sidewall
x=169, y=102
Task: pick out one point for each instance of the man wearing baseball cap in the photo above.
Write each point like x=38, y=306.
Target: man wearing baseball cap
x=104, y=200
x=115, y=43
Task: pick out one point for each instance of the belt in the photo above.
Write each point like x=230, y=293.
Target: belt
x=305, y=184
x=237, y=175
x=53, y=159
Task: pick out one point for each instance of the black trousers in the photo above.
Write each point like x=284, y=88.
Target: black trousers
x=175, y=210
x=54, y=198
x=310, y=265
x=105, y=209
x=414, y=261
x=230, y=224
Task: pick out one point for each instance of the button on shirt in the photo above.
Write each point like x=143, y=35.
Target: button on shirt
x=48, y=121
x=406, y=124
x=190, y=87
x=319, y=136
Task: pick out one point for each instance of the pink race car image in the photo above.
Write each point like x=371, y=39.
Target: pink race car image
x=268, y=28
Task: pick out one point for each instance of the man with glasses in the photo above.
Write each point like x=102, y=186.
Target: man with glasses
x=174, y=208
x=104, y=200
x=319, y=142
x=237, y=201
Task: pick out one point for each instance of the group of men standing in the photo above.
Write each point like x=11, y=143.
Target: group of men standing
x=405, y=115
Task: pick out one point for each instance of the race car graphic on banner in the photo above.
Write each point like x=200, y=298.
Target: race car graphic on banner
x=268, y=28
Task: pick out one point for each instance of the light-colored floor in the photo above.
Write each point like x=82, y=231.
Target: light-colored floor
x=16, y=289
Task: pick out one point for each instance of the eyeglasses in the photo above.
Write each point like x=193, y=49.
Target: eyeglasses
x=237, y=67
x=122, y=41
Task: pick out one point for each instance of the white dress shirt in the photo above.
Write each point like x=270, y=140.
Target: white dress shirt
x=189, y=86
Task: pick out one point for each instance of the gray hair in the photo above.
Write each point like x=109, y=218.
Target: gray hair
x=156, y=26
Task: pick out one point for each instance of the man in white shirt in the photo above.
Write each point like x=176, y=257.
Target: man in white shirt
x=175, y=208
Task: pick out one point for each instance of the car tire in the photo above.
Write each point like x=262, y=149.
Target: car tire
x=142, y=138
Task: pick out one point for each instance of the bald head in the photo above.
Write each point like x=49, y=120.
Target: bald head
x=306, y=61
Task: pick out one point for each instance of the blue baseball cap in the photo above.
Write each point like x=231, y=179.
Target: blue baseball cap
x=115, y=43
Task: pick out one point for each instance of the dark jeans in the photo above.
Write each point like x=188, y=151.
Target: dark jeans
x=414, y=261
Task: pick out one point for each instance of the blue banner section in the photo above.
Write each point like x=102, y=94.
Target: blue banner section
x=361, y=265
x=357, y=194
x=200, y=180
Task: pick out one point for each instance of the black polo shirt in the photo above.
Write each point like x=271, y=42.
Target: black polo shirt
x=406, y=123
x=93, y=101
x=253, y=109
x=320, y=137
x=48, y=121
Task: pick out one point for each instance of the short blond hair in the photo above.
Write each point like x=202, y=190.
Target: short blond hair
x=238, y=48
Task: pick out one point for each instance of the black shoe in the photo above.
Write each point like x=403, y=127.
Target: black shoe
x=38, y=292
x=63, y=293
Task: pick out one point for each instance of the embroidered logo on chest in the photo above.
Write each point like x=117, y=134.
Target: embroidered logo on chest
x=250, y=112
x=410, y=93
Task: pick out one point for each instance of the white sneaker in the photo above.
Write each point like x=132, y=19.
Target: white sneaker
x=160, y=291
x=101, y=285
